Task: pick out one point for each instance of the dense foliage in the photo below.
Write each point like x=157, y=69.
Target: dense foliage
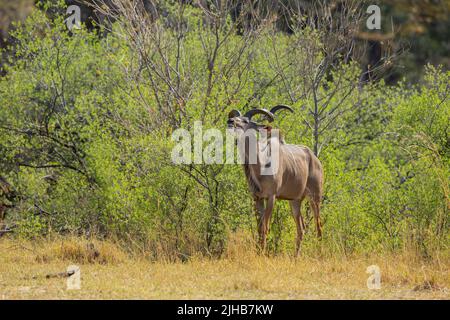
x=86, y=124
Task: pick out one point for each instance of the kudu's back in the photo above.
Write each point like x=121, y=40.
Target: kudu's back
x=299, y=173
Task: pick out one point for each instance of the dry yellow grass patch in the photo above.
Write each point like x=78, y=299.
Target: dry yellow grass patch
x=108, y=272
x=80, y=251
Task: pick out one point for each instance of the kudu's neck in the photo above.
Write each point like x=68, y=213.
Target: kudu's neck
x=252, y=157
x=248, y=149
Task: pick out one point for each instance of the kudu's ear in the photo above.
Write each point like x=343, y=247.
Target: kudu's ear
x=233, y=114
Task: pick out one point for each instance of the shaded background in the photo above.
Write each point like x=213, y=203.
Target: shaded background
x=417, y=31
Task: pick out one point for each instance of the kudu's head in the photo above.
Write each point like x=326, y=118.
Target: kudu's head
x=241, y=123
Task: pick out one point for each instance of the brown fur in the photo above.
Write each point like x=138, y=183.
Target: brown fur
x=299, y=175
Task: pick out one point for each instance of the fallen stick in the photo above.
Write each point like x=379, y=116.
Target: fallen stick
x=65, y=274
x=3, y=232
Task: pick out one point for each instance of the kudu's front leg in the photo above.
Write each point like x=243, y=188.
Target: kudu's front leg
x=264, y=222
x=259, y=207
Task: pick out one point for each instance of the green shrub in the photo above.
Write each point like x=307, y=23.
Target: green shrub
x=85, y=139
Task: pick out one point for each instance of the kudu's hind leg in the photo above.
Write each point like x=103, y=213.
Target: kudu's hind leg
x=296, y=213
x=315, y=204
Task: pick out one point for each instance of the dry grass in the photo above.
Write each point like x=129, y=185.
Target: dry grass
x=107, y=272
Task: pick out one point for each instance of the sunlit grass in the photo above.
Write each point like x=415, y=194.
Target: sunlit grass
x=107, y=271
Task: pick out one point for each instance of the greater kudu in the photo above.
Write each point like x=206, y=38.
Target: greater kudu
x=299, y=174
